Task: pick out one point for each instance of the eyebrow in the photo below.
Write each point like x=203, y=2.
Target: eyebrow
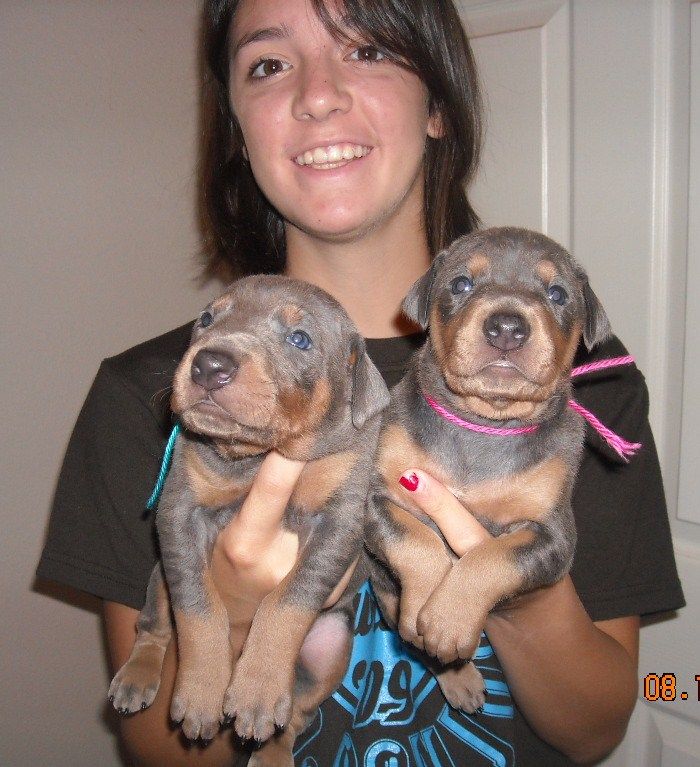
x=282, y=32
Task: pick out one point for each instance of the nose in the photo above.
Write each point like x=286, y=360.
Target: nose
x=506, y=331
x=212, y=370
x=321, y=92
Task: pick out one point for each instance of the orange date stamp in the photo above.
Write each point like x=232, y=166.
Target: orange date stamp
x=665, y=687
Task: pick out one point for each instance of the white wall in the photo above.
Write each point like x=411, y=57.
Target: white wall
x=98, y=243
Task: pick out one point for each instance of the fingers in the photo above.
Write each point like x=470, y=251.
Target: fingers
x=260, y=519
x=460, y=528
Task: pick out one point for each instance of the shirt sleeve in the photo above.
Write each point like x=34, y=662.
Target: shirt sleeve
x=624, y=562
x=100, y=538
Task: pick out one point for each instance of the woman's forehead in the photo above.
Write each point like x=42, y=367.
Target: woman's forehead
x=256, y=20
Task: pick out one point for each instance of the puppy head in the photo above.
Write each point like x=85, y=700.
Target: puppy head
x=273, y=360
x=506, y=309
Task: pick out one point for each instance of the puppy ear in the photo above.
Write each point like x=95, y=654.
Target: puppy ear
x=416, y=305
x=596, y=328
x=369, y=393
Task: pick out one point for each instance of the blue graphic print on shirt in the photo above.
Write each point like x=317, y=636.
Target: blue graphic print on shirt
x=388, y=690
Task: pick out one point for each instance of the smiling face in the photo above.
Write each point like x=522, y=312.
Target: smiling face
x=334, y=130
x=506, y=308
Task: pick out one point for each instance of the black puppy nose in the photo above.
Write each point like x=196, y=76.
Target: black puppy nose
x=212, y=370
x=506, y=331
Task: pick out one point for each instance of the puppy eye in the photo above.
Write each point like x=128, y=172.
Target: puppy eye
x=299, y=339
x=557, y=294
x=462, y=284
x=206, y=319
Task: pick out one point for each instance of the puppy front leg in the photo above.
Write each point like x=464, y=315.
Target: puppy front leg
x=204, y=655
x=135, y=685
x=525, y=556
x=414, y=554
x=321, y=666
x=260, y=693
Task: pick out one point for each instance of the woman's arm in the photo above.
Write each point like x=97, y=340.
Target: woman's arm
x=574, y=681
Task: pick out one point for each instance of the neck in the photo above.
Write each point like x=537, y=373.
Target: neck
x=369, y=275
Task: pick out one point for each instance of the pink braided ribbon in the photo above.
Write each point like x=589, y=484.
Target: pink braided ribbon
x=494, y=432
x=621, y=446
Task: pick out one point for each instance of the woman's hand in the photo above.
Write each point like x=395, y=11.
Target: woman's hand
x=254, y=552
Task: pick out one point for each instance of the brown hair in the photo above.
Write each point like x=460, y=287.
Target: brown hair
x=243, y=232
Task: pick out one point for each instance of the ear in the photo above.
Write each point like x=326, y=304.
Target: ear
x=369, y=393
x=436, y=124
x=596, y=328
x=416, y=305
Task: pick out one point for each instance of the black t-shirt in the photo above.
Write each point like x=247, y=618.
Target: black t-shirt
x=389, y=710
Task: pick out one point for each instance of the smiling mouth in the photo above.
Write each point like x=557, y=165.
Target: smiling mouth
x=333, y=156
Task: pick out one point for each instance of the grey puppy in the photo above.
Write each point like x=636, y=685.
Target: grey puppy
x=274, y=363
x=506, y=310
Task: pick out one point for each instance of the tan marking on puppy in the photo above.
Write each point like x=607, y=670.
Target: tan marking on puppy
x=419, y=560
x=263, y=679
x=320, y=479
x=292, y=314
x=143, y=669
x=436, y=331
x=303, y=411
x=478, y=264
x=398, y=452
x=531, y=494
x=565, y=346
x=222, y=303
x=204, y=666
x=546, y=271
x=488, y=572
x=209, y=488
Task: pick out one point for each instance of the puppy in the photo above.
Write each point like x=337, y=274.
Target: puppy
x=506, y=309
x=274, y=363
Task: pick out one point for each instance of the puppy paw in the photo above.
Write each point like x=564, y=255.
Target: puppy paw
x=449, y=634
x=463, y=687
x=271, y=757
x=135, y=685
x=197, y=706
x=259, y=700
x=408, y=627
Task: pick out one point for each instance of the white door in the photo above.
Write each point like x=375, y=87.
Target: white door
x=589, y=107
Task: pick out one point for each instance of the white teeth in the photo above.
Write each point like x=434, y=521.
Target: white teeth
x=336, y=153
x=320, y=155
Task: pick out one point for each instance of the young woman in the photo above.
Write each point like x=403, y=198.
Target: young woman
x=341, y=139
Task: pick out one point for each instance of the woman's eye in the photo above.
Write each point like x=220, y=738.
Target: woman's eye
x=558, y=295
x=206, y=319
x=299, y=339
x=462, y=284
x=268, y=68
x=367, y=54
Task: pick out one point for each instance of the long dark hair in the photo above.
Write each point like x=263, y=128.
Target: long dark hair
x=244, y=234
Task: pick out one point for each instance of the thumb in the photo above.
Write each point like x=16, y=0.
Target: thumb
x=461, y=529
x=260, y=518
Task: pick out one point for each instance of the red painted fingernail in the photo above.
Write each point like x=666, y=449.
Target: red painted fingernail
x=409, y=481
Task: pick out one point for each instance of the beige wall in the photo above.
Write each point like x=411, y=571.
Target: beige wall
x=98, y=109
